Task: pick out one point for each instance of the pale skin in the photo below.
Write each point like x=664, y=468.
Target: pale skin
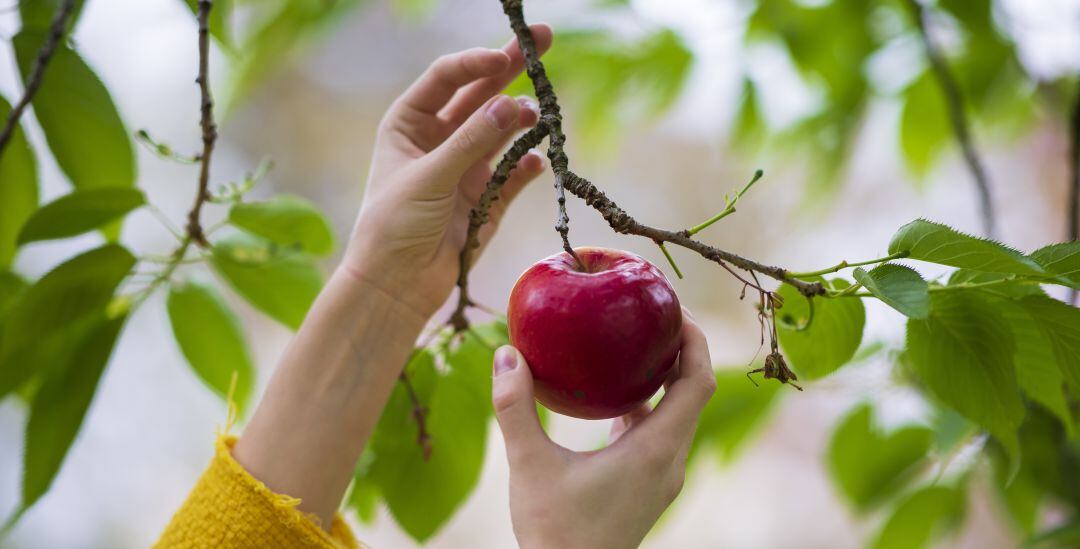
x=432, y=158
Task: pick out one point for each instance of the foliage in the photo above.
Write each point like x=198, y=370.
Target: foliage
x=989, y=347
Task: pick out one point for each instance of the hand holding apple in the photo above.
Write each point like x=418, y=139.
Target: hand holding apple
x=600, y=338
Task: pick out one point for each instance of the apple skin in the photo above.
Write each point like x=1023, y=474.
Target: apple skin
x=599, y=343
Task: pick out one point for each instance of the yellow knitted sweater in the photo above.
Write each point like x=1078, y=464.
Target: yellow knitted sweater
x=229, y=508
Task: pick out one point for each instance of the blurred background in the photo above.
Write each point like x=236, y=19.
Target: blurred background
x=670, y=106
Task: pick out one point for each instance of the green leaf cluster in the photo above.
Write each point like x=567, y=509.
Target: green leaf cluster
x=612, y=82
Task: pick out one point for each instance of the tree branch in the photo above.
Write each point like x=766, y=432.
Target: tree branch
x=37, y=74
x=481, y=213
x=209, y=128
x=954, y=102
x=419, y=414
x=617, y=218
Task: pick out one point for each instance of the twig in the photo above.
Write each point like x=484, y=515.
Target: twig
x=193, y=232
x=209, y=128
x=621, y=222
x=481, y=213
x=1074, y=191
x=954, y=102
x=419, y=413
x=37, y=74
x=729, y=208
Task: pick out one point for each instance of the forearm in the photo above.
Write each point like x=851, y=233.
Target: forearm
x=326, y=396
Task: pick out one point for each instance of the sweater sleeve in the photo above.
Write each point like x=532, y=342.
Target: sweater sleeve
x=229, y=508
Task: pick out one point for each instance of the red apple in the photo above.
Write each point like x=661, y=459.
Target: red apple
x=601, y=338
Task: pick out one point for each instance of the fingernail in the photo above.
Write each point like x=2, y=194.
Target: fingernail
x=528, y=103
x=502, y=112
x=506, y=359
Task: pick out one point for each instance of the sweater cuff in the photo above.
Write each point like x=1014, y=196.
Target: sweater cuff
x=230, y=508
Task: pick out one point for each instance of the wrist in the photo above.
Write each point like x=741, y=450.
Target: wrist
x=396, y=293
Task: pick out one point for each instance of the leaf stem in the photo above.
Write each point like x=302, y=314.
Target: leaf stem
x=845, y=264
x=954, y=287
x=728, y=210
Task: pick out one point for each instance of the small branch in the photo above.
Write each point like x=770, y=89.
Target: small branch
x=844, y=264
x=481, y=214
x=951, y=287
x=209, y=128
x=1074, y=191
x=419, y=413
x=193, y=234
x=954, y=102
x=163, y=150
x=728, y=209
x=621, y=222
x=37, y=74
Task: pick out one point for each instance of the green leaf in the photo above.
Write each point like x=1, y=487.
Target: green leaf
x=39, y=14
x=963, y=355
x=288, y=221
x=924, y=124
x=459, y=409
x=899, y=287
x=1060, y=324
x=937, y=243
x=80, y=121
x=1037, y=367
x=831, y=337
x=734, y=413
x=415, y=9
x=1049, y=472
x=1021, y=495
x=279, y=283
x=276, y=38
x=220, y=24
x=60, y=404
x=611, y=82
x=867, y=465
x=749, y=129
x=211, y=340
x=79, y=212
x=364, y=499
x=1067, y=535
x=18, y=187
x=1062, y=260
x=51, y=315
x=920, y=517
x=11, y=288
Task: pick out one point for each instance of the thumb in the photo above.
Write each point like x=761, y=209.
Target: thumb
x=479, y=135
x=512, y=396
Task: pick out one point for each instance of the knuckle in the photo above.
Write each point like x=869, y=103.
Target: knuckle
x=465, y=140
x=503, y=398
x=442, y=63
x=707, y=382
